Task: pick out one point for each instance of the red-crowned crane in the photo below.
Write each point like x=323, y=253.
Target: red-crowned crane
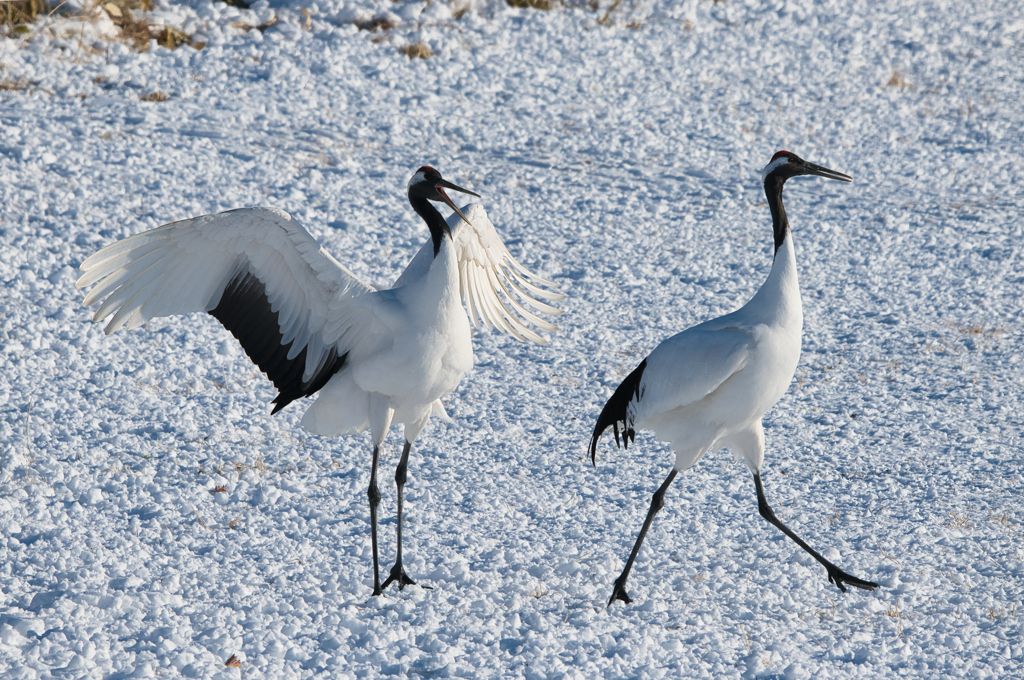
x=709, y=386
x=372, y=355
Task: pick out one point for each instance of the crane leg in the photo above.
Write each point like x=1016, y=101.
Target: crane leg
x=398, y=574
x=657, y=503
x=835, y=574
x=373, y=494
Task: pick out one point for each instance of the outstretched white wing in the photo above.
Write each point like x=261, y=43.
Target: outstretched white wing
x=494, y=286
x=257, y=271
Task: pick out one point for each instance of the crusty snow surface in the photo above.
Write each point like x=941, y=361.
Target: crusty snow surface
x=621, y=159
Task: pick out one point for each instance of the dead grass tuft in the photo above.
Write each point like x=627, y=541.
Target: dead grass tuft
x=545, y=5
x=245, y=28
x=976, y=330
x=898, y=79
x=996, y=613
x=116, y=9
x=606, y=19
x=15, y=15
x=894, y=613
x=134, y=31
x=11, y=85
x=199, y=517
x=172, y=38
x=419, y=49
x=958, y=522
x=539, y=592
x=137, y=31
x=376, y=24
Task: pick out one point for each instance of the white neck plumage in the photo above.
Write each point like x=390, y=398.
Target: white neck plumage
x=778, y=300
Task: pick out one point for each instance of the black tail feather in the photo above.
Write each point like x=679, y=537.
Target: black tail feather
x=617, y=411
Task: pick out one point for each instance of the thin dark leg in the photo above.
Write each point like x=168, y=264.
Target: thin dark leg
x=397, y=572
x=657, y=503
x=835, y=574
x=373, y=494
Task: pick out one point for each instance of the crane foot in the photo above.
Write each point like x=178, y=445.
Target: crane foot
x=398, y=576
x=619, y=592
x=838, y=577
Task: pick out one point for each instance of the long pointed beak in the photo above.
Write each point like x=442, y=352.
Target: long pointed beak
x=448, y=185
x=820, y=171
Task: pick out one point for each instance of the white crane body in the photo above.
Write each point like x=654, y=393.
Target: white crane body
x=426, y=349
x=371, y=356
x=709, y=386
x=735, y=368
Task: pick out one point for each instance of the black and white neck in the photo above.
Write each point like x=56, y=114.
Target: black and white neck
x=421, y=190
x=782, y=166
x=774, y=181
x=425, y=186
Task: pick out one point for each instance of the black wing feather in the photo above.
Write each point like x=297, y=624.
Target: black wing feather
x=245, y=310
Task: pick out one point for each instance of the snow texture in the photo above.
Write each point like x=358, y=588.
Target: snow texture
x=155, y=520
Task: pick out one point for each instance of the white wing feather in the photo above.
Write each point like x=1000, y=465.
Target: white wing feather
x=185, y=266
x=687, y=367
x=492, y=282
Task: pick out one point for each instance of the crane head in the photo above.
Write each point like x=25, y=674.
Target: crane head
x=785, y=164
x=427, y=183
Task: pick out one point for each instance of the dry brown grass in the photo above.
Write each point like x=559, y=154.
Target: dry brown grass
x=376, y=24
x=172, y=38
x=603, y=21
x=419, y=49
x=545, y=5
x=136, y=31
x=958, y=522
x=894, y=613
x=117, y=8
x=133, y=31
x=11, y=85
x=898, y=79
x=244, y=27
x=996, y=613
x=15, y=15
x=976, y=330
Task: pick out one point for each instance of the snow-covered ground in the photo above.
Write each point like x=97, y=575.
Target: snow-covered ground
x=620, y=159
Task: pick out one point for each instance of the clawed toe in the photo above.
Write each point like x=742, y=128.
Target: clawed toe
x=398, y=576
x=619, y=593
x=839, y=578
